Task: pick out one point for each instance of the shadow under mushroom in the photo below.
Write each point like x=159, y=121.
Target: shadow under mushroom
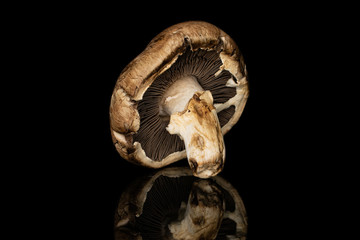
x=173, y=204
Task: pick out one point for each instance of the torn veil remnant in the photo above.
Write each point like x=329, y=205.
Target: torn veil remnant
x=178, y=98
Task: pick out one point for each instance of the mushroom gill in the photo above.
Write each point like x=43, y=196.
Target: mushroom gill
x=201, y=65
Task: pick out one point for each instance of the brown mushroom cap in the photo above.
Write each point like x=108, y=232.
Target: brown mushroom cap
x=142, y=77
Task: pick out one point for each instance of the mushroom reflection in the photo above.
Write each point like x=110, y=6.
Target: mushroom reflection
x=173, y=204
x=202, y=215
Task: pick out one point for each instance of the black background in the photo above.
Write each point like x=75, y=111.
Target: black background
x=81, y=50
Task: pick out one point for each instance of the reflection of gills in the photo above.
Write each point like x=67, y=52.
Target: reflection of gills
x=173, y=204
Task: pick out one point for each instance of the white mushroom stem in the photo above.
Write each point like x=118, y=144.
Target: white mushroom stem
x=178, y=95
x=197, y=125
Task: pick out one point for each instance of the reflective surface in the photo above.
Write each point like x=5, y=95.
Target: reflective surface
x=173, y=204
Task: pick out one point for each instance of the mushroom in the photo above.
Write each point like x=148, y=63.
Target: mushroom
x=173, y=204
x=178, y=98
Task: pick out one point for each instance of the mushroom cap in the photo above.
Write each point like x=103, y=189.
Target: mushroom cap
x=159, y=55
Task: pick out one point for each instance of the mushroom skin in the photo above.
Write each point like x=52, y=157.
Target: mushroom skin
x=199, y=127
x=159, y=55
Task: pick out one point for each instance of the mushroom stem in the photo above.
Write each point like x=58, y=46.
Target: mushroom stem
x=198, y=126
x=178, y=94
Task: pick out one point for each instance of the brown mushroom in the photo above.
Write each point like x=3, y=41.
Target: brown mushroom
x=178, y=98
x=173, y=204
